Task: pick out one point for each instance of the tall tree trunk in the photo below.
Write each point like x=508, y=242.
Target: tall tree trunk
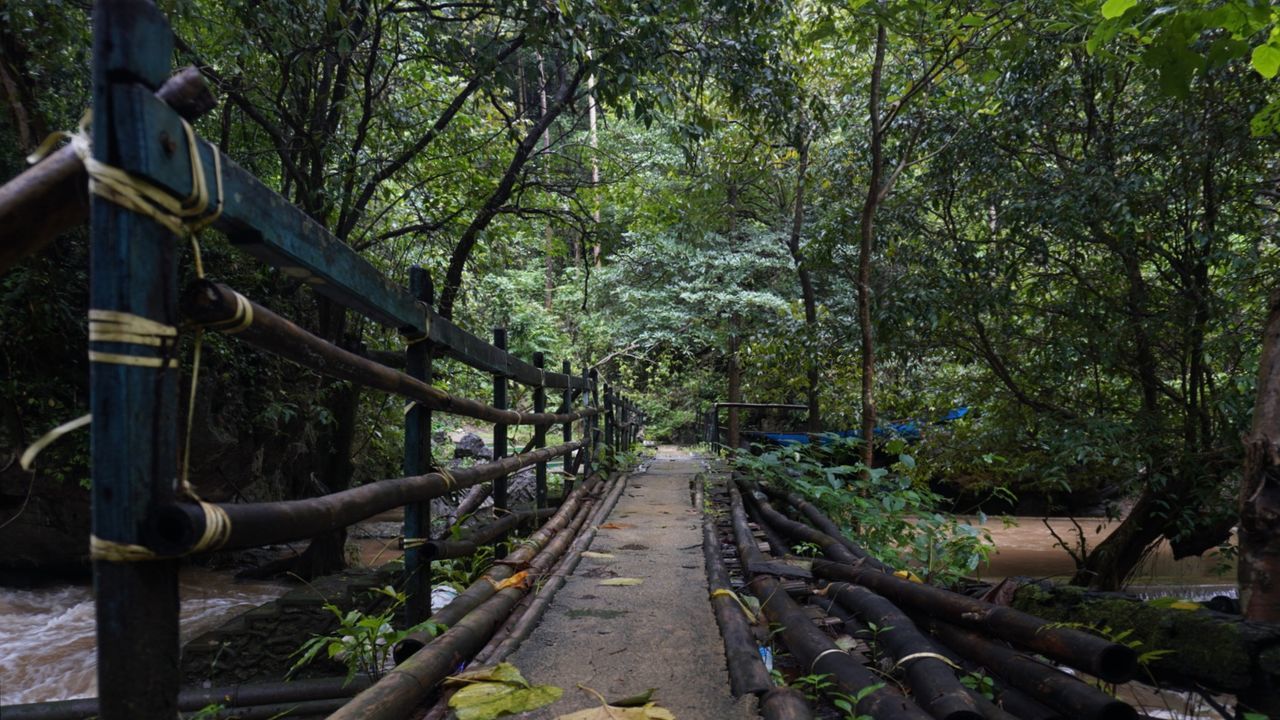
x=594, y=141
x=806, y=285
x=866, y=243
x=1259, y=533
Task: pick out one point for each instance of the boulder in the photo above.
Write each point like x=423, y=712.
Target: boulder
x=471, y=446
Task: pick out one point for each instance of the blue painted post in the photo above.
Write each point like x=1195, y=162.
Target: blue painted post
x=540, y=435
x=133, y=270
x=417, y=461
x=567, y=369
x=500, y=431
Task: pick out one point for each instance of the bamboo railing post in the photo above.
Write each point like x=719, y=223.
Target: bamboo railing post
x=540, y=435
x=594, y=439
x=567, y=369
x=135, y=406
x=417, y=461
x=715, y=429
x=608, y=418
x=589, y=422
x=499, y=429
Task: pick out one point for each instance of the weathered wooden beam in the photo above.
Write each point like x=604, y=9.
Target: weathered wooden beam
x=134, y=442
x=219, y=306
x=182, y=525
x=52, y=196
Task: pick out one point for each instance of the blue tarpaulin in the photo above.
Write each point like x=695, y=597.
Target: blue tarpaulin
x=906, y=429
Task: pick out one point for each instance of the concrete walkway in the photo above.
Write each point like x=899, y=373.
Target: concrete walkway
x=659, y=634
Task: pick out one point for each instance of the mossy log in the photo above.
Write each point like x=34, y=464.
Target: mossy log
x=1183, y=643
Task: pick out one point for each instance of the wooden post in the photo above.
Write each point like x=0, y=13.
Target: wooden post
x=589, y=424
x=417, y=461
x=715, y=428
x=134, y=454
x=608, y=417
x=596, y=421
x=500, y=430
x=567, y=369
x=540, y=433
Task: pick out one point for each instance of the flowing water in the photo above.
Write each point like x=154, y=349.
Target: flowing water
x=47, y=648
x=1028, y=548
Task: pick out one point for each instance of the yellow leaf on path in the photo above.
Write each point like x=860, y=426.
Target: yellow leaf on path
x=597, y=555
x=616, y=526
x=520, y=579
x=621, y=581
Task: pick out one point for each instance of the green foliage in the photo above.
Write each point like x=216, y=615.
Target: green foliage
x=363, y=642
x=884, y=510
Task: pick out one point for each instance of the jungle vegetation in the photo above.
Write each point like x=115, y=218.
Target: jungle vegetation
x=1061, y=214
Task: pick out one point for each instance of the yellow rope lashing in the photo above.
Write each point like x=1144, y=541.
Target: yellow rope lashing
x=111, y=551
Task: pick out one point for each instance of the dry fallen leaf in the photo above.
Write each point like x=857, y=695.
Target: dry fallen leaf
x=520, y=579
x=616, y=526
x=649, y=711
x=597, y=555
x=621, y=581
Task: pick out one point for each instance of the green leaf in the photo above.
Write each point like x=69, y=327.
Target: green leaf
x=1112, y=9
x=1266, y=60
x=1266, y=121
x=488, y=700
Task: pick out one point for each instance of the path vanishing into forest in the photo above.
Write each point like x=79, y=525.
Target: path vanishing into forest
x=660, y=633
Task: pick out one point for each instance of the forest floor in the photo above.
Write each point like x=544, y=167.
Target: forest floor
x=621, y=640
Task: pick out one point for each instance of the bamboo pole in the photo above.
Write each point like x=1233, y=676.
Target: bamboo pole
x=401, y=690
x=210, y=303
x=181, y=526
x=481, y=590
x=746, y=670
x=1110, y=661
x=933, y=681
x=808, y=644
x=1047, y=684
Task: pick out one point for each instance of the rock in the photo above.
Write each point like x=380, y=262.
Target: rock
x=439, y=437
x=471, y=446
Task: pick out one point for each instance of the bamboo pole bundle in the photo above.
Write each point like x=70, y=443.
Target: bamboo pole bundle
x=742, y=655
x=1044, y=683
x=481, y=590
x=1110, y=661
x=807, y=643
x=183, y=526
x=529, y=611
x=933, y=681
x=216, y=305
x=820, y=521
x=401, y=690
